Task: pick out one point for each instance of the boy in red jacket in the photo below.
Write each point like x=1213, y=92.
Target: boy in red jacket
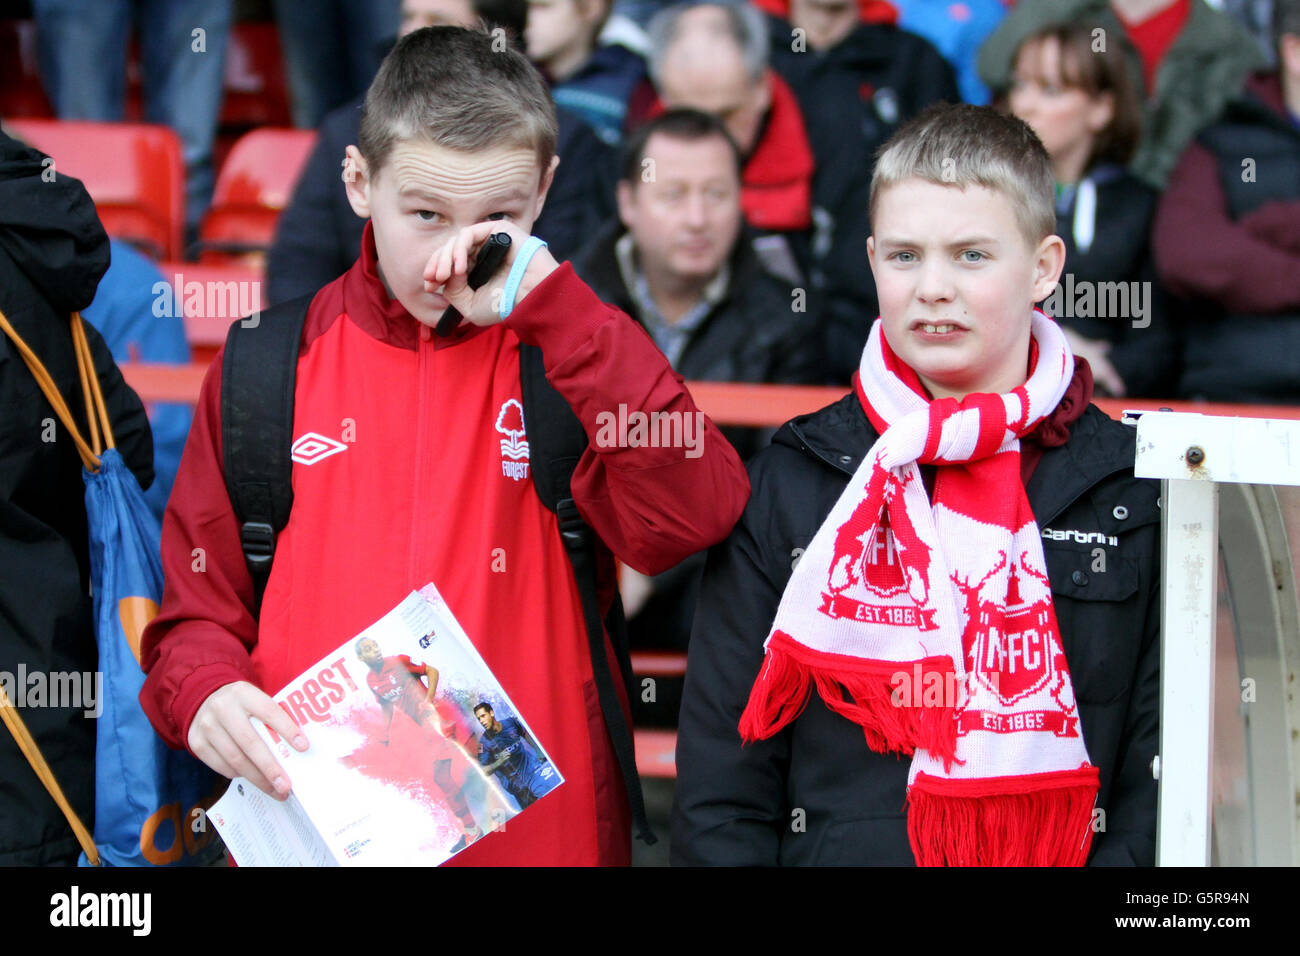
x=400, y=473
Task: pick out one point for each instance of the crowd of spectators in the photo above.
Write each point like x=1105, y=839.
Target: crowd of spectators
x=1168, y=122
x=715, y=161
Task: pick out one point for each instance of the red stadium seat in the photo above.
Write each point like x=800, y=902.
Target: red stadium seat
x=210, y=297
x=133, y=172
x=253, y=187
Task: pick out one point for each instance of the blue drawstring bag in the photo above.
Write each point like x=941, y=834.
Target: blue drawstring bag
x=150, y=800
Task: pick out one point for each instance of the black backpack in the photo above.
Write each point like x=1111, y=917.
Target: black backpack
x=257, y=388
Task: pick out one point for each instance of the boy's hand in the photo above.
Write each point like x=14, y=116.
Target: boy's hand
x=450, y=266
x=224, y=739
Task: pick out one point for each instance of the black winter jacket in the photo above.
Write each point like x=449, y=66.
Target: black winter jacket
x=1234, y=353
x=739, y=805
x=53, y=252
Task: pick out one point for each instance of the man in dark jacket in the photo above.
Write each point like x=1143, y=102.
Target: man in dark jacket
x=1227, y=233
x=683, y=265
x=318, y=235
x=53, y=251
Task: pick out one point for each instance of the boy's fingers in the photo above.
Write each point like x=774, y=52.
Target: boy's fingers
x=440, y=263
x=240, y=764
x=268, y=712
x=259, y=766
x=469, y=237
x=474, y=236
x=443, y=271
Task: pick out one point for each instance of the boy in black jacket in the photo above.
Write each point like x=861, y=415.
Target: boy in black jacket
x=1063, y=702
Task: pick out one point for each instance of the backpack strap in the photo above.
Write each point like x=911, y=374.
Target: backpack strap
x=556, y=441
x=258, y=374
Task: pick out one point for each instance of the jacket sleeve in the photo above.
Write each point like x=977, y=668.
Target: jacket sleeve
x=1202, y=253
x=730, y=806
x=201, y=638
x=1129, y=836
x=651, y=506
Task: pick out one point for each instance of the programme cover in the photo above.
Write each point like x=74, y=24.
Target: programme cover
x=415, y=752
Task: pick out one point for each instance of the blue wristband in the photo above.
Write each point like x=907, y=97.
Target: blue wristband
x=526, y=252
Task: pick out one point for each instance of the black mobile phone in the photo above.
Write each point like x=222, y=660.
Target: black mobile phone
x=490, y=256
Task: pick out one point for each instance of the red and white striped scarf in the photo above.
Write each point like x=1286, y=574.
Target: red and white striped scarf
x=930, y=623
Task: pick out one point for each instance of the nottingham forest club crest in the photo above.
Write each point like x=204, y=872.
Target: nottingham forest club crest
x=514, y=447
x=1014, y=655
x=879, y=572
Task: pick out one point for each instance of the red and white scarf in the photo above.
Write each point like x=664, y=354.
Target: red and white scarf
x=930, y=623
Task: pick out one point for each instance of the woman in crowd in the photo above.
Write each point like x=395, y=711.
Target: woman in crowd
x=1083, y=103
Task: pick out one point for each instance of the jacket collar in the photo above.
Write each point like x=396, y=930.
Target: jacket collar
x=1213, y=34
x=1262, y=102
x=368, y=305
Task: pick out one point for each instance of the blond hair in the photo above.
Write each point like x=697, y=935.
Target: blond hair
x=961, y=145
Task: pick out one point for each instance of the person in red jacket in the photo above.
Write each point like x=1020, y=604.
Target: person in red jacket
x=398, y=474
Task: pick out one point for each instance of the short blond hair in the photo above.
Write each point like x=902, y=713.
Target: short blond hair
x=961, y=145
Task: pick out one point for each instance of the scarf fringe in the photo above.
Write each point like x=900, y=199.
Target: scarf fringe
x=1023, y=825
x=777, y=698
x=785, y=685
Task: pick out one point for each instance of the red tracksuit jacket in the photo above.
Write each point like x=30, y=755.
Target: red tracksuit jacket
x=407, y=470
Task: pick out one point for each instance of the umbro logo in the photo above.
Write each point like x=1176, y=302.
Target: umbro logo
x=311, y=448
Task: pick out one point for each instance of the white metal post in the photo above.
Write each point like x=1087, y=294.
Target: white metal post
x=1191, y=454
x=1189, y=576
